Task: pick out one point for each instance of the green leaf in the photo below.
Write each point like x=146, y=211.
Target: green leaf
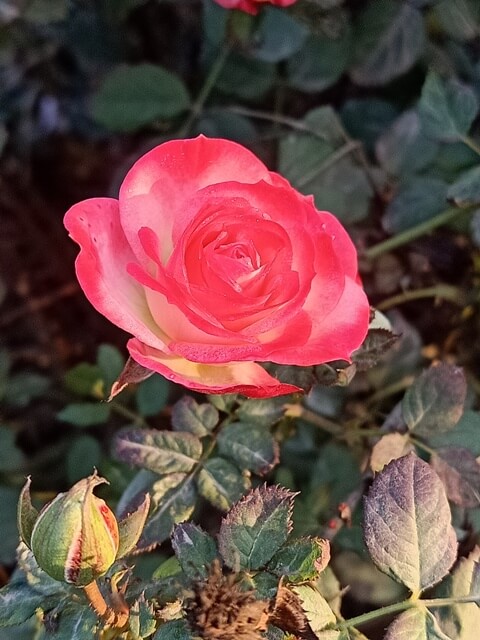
x=460, y=473
x=415, y=624
x=366, y=119
x=83, y=379
x=11, y=458
x=195, y=550
x=174, y=630
x=173, y=500
x=301, y=559
x=466, y=190
x=407, y=524
x=389, y=37
x=319, y=165
x=460, y=19
x=134, y=96
x=18, y=603
x=461, y=621
x=22, y=388
x=45, y=11
x=278, y=37
x=83, y=456
x=246, y=78
x=256, y=527
x=320, y=63
x=418, y=200
x=434, y=402
x=152, y=395
x=262, y=412
x=76, y=621
x=465, y=434
x=26, y=513
x=8, y=524
x=215, y=123
x=250, y=446
x=189, y=415
x=221, y=483
x=447, y=108
x=159, y=451
x=85, y=414
x=404, y=149
x=316, y=608
x=142, y=621
x=36, y=578
x=111, y=363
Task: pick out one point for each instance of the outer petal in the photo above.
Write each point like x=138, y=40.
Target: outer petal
x=334, y=336
x=155, y=188
x=247, y=378
x=101, y=268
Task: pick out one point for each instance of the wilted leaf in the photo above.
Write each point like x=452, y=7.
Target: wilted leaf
x=250, y=446
x=434, y=402
x=256, y=527
x=302, y=559
x=466, y=190
x=195, y=549
x=390, y=447
x=159, y=451
x=447, y=108
x=377, y=342
x=407, y=524
x=460, y=473
x=388, y=38
x=221, y=483
x=133, y=96
x=415, y=624
x=132, y=373
x=189, y=415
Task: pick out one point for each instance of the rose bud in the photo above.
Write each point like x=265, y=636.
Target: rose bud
x=252, y=6
x=75, y=537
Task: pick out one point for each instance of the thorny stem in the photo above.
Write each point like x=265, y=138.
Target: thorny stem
x=402, y=606
x=112, y=617
x=210, y=80
x=415, y=232
x=441, y=291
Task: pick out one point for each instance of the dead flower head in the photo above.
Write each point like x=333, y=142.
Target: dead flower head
x=222, y=610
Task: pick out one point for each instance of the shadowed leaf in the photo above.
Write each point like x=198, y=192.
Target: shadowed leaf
x=194, y=548
x=407, y=524
x=250, y=446
x=460, y=473
x=189, y=415
x=221, y=483
x=415, y=624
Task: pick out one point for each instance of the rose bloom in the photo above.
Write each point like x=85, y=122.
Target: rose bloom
x=213, y=264
x=252, y=6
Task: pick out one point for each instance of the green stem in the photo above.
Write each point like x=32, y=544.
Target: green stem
x=205, y=91
x=297, y=411
x=415, y=232
x=390, y=390
x=344, y=150
x=137, y=419
x=402, y=606
x=471, y=144
x=421, y=445
x=442, y=291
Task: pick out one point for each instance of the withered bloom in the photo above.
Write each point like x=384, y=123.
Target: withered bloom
x=221, y=609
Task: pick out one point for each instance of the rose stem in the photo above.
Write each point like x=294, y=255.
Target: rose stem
x=113, y=618
x=415, y=232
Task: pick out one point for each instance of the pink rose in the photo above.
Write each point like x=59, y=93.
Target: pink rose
x=252, y=6
x=213, y=263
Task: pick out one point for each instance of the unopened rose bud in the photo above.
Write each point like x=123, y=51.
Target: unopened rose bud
x=75, y=537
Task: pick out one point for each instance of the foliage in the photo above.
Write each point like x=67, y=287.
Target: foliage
x=372, y=108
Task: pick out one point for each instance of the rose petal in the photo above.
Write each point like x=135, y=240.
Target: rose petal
x=247, y=378
x=101, y=269
x=162, y=180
